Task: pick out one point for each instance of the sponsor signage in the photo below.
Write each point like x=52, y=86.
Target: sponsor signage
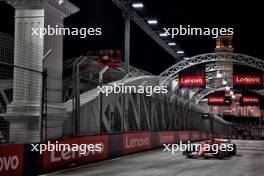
x=166, y=138
x=12, y=156
x=248, y=80
x=195, y=135
x=11, y=160
x=204, y=135
x=250, y=100
x=134, y=142
x=192, y=81
x=184, y=136
x=55, y=159
x=216, y=100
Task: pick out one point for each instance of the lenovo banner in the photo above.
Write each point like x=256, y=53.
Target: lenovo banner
x=192, y=77
x=245, y=77
x=166, y=138
x=248, y=80
x=250, y=101
x=184, y=136
x=192, y=81
x=216, y=100
x=204, y=135
x=90, y=148
x=11, y=160
x=135, y=142
x=243, y=82
x=196, y=136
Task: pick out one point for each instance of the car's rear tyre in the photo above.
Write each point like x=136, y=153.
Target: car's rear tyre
x=233, y=152
x=187, y=153
x=219, y=155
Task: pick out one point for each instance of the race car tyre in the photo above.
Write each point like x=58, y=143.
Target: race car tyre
x=187, y=153
x=219, y=155
x=233, y=152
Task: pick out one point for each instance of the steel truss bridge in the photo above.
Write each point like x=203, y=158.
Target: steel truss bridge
x=138, y=112
x=219, y=61
x=179, y=109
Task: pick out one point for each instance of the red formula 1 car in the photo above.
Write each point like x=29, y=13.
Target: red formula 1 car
x=218, y=148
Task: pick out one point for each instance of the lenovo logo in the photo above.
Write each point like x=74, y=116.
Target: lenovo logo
x=166, y=139
x=65, y=155
x=11, y=159
x=184, y=136
x=9, y=163
x=250, y=100
x=216, y=100
x=137, y=142
x=253, y=79
x=192, y=81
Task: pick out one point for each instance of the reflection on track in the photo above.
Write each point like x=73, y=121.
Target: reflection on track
x=249, y=161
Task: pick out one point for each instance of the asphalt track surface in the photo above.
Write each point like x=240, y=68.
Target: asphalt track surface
x=248, y=162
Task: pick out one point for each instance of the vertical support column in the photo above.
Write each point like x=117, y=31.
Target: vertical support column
x=127, y=42
x=28, y=61
x=24, y=112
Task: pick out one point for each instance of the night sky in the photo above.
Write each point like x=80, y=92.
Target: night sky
x=246, y=17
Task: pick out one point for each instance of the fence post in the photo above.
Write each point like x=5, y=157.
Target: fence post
x=43, y=107
x=43, y=113
x=76, y=93
x=101, y=73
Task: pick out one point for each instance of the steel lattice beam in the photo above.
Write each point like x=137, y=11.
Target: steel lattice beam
x=218, y=67
x=146, y=28
x=211, y=57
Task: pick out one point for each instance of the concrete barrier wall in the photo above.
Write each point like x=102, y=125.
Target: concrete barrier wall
x=20, y=160
x=11, y=160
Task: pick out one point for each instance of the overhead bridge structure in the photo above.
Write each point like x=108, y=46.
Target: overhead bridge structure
x=179, y=109
x=215, y=62
x=132, y=112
